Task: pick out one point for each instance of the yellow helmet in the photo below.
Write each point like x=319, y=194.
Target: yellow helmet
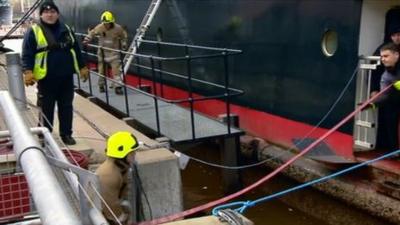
x=120, y=144
x=107, y=17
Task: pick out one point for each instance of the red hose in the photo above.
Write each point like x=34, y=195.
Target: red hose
x=267, y=177
x=76, y=157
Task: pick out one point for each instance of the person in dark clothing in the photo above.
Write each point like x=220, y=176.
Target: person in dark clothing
x=389, y=122
x=394, y=33
x=50, y=56
x=385, y=111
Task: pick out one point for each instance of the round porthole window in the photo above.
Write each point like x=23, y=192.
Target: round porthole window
x=329, y=43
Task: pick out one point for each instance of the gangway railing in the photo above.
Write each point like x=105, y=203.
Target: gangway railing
x=158, y=76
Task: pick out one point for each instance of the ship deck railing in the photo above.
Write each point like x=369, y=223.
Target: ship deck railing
x=157, y=110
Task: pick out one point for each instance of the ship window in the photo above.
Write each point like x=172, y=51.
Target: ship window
x=329, y=43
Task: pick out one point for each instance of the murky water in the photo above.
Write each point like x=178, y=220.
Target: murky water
x=202, y=183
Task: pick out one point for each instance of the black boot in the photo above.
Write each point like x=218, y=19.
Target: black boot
x=68, y=140
x=119, y=91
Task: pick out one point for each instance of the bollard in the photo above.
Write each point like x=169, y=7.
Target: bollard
x=15, y=82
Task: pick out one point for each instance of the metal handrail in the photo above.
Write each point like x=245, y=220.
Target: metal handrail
x=50, y=200
x=227, y=95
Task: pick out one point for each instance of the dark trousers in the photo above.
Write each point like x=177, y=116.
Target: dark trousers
x=388, y=127
x=60, y=90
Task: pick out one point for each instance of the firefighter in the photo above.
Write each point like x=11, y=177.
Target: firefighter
x=50, y=57
x=110, y=35
x=112, y=174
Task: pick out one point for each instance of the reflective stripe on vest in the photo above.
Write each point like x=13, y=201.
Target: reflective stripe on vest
x=40, y=67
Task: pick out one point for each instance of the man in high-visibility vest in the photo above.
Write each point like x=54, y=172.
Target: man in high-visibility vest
x=112, y=173
x=50, y=57
x=110, y=35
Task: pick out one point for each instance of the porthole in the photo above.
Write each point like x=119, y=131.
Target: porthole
x=329, y=43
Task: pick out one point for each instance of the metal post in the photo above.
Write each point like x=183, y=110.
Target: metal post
x=50, y=200
x=189, y=74
x=86, y=50
x=230, y=148
x=139, y=71
x=153, y=72
x=15, y=82
x=227, y=94
x=121, y=58
x=138, y=66
x=160, y=72
x=104, y=74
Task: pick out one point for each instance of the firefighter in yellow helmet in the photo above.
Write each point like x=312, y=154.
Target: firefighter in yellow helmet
x=112, y=175
x=110, y=35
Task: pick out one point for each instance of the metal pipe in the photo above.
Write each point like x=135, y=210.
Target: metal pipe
x=15, y=82
x=55, y=150
x=97, y=217
x=49, y=198
x=58, y=154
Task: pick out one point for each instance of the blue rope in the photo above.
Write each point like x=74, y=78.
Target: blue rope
x=247, y=204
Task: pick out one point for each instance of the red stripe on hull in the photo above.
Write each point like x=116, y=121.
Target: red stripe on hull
x=273, y=128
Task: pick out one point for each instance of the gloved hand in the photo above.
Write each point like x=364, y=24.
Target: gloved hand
x=396, y=85
x=84, y=73
x=29, y=79
x=86, y=40
x=126, y=206
x=124, y=47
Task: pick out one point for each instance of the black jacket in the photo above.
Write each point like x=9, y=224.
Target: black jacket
x=59, y=61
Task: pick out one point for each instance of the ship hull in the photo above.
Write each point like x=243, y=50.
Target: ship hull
x=290, y=82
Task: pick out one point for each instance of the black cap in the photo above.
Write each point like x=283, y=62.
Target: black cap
x=47, y=6
x=394, y=29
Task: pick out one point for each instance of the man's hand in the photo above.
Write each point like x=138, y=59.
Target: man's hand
x=84, y=73
x=396, y=85
x=29, y=79
x=368, y=106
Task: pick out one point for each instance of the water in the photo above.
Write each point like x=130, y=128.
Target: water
x=202, y=184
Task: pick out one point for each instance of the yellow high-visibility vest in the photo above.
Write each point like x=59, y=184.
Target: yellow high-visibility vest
x=40, y=66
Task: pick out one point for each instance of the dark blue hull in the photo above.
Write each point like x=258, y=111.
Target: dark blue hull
x=283, y=70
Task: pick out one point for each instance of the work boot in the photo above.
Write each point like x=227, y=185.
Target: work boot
x=68, y=140
x=118, y=91
x=102, y=89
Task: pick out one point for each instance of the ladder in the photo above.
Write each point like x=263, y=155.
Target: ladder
x=141, y=31
x=365, y=123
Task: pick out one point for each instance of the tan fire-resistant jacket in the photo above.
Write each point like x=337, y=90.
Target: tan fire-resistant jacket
x=113, y=184
x=109, y=38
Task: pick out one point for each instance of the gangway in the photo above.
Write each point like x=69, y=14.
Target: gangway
x=167, y=117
